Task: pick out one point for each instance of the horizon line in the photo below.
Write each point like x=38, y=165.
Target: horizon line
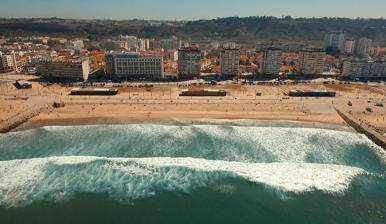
x=188, y=20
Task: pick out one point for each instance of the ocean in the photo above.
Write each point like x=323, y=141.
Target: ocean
x=193, y=172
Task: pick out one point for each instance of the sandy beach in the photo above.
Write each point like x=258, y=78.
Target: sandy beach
x=163, y=102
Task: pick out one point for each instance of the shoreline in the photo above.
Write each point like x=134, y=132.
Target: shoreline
x=187, y=120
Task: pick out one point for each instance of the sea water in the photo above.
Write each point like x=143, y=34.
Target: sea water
x=191, y=173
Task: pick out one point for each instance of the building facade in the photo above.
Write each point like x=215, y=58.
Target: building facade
x=189, y=62
x=7, y=63
x=363, y=47
x=349, y=47
x=272, y=58
x=154, y=44
x=78, y=44
x=229, y=61
x=74, y=70
x=335, y=40
x=364, y=69
x=170, y=43
x=143, y=44
x=311, y=61
x=134, y=66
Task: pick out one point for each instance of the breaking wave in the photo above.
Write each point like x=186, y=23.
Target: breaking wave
x=23, y=182
x=129, y=162
x=214, y=142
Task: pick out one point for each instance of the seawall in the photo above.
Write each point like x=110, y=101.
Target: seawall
x=363, y=128
x=22, y=117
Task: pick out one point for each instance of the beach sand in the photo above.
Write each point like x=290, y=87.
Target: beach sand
x=164, y=102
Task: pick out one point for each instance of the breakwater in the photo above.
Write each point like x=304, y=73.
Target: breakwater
x=22, y=117
x=363, y=128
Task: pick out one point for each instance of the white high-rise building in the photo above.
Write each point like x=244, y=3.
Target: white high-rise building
x=229, y=60
x=349, y=46
x=129, y=41
x=189, y=62
x=311, y=61
x=272, y=58
x=170, y=44
x=133, y=66
x=143, y=44
x=363, y=47
x=335, y=40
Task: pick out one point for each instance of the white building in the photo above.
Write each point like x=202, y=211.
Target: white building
x=143, y=44
x=272, y=58
x=311, y=61
x=114, y=45
x=134, y=66
x=215, y=45
x=78, y=44
x=170, y=44
x=75, y=70
x=7, y=62
x=349, y=46
x=189, y=62
x=229, y=61
x=363, y=47
x=130, y=41
x=335, y=40
x=364, y=69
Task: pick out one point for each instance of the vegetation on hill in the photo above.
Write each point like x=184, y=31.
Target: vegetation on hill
x=244, y=30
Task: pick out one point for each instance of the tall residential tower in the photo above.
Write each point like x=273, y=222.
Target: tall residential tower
x=311, y=61
x=229, y=60
x=271, y=61
x=335, y=40
x=189, y=62
x=363, y=47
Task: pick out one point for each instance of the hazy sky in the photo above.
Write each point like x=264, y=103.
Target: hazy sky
x=192, y=9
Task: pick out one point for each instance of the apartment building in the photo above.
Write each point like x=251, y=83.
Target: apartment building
x=189, y=62
x=74, y=70
x=134, y=66
x=311, y=61
x=335, y=40
x=229, y=61
x=272, y=57
x=349, y=47
x=364, y=69
x=7, y=63
x=363, y=47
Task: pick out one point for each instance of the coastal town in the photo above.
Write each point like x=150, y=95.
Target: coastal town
x=200, y=111
x=59, y=81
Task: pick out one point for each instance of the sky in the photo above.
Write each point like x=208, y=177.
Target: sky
x=190, y=10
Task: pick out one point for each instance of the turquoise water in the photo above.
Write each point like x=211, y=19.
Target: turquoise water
x=206, y=173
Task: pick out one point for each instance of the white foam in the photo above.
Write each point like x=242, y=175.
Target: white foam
x=232, y=143
x=294, y=177
x=59, y=178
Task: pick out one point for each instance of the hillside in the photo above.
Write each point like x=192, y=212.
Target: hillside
x=243, y=30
